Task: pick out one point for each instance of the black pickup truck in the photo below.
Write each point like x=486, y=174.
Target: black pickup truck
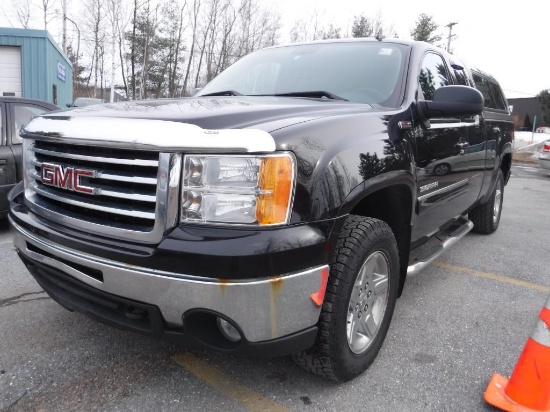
x=277, y=212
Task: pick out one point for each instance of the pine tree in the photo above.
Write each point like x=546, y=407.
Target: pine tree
x=332, y=32
x=424, y=29
x=544, y=99
x=362, y=27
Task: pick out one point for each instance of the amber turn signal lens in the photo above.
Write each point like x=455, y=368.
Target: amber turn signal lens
x=275, y=183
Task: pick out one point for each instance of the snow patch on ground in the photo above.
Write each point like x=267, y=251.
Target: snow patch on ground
x=528, y=142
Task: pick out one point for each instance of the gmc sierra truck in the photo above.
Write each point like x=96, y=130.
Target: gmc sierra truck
x=279, y=211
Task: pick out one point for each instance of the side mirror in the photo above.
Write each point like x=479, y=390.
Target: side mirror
x=451, y=101
x=69, y=105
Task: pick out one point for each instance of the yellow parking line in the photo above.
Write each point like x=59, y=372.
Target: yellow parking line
x=241, y=394
x=492, y=276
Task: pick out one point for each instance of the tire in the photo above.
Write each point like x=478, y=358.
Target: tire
x=341, y=352
x=441, y=169
x=486, y=216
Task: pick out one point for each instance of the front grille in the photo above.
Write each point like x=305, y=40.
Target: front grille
x=123, y=185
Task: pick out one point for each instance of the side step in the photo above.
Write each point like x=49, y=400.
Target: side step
x=435, y=247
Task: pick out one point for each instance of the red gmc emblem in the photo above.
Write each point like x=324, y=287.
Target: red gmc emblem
x=67, y=178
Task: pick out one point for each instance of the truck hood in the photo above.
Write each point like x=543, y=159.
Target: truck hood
x=264, y=113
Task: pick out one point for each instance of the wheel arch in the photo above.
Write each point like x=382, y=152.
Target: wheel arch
x=506, y=166
x=390, y=199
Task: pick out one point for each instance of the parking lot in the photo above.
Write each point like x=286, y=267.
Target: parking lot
x=463, y=318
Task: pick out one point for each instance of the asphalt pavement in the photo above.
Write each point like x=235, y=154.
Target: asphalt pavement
x=463, y=318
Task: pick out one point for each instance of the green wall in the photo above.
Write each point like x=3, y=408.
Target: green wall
x=39, y=63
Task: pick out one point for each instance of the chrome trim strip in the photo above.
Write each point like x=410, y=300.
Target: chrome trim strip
x=442, y=124
x=444, y=189
x=146, y=134
x=43, y=191
x=264, y=308
x=128, y=179
x=166, y=209
x=112, y=160
x=126, y=195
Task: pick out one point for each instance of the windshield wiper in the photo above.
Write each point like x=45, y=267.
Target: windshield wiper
x=313, y=94
x=223, y=93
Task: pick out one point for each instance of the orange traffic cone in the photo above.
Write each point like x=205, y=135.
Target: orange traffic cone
x=529, y=386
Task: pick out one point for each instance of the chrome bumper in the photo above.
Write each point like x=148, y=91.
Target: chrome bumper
x=264, y=309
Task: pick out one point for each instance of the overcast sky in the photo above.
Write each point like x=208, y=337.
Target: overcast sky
x=511, y=43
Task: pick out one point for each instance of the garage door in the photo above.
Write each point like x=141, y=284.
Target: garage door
x=10, y=71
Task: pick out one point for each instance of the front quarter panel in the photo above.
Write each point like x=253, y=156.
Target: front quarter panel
x=340, y=160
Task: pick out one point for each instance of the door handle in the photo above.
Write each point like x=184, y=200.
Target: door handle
x=3, y=162
x=496, y=129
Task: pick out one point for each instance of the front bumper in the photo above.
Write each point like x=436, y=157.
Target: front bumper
x=262, y=309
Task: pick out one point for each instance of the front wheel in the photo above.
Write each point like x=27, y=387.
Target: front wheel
x=486, y=216
x=359, y=301
x=442, y=169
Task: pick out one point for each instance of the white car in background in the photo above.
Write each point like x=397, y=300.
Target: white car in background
x=544, y=159
x=85, y=101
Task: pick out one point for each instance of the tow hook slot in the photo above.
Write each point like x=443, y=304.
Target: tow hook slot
x=134, y=313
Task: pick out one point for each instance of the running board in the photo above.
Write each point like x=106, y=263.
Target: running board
x=444, y=241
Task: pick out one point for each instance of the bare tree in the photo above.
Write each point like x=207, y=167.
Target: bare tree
x=308, y=28
x=48, y=11
x=194, y=17
x=229, y=30
x=209, y=23
x=114, y=13
x=22, y=9
x=122, y=53
x=331, y=32
x=172, y=28
x=258, y=27
x=364, y=26
x=95, y=29
x=133, y=50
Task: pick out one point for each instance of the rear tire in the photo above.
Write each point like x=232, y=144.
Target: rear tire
x=486, y=216
x=359, y=301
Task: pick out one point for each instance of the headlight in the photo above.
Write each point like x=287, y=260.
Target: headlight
x=238, y=189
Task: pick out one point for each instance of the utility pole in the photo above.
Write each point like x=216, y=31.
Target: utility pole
x=450, y=26
x=64, y=41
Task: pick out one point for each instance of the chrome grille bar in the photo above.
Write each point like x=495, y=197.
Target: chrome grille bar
x=98, y=159
x=71, y=200
x=132, y=191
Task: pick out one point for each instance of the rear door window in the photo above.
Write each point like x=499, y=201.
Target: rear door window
x=498, y=98
x=492, y=94
x=461, y=77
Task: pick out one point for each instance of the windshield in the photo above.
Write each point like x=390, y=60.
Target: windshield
x=363, y=72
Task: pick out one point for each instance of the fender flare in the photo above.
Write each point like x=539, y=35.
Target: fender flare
x=368, y=187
